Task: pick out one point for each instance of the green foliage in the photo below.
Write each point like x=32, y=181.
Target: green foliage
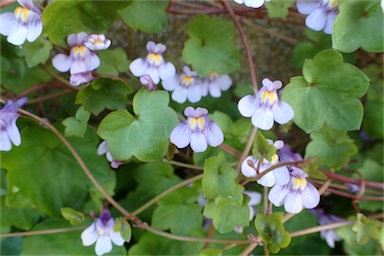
x=211, y=252
x=278, y=9
x=122, y=226
x=261, y=149
x=21, y=218
x=147, y=136
x=76, y=126
x=359, y=24
x=327, y=93
x=58, y=180
x=331, y=147
x=62, y=17
x=37, y=52
x=147, y=16
x=74, y=217
x=366, y=228
x=103, y=93
x=113, y=62
x=209, y=47
x=177, y=207
x=271, y=230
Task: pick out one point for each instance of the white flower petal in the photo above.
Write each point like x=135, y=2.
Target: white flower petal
x=7, y=23
x=311, y=197
x=263, y=119
x=293, y=203
x=198, y=142
x=306, y=6
x=247, y=170
x=224, y=82
x=180, y=94
x=194, y=93
x=89, y=235
x=329, y=24
x=255, y=197
x=247, y=105
x=282, y=112
x=5, y=143
x=254, y=3
x=91, y=62
x=103, y=245
x=171, y=83
x=213, y=134
x=214, y=90
x=281, y=175
x=34, y=26
x=167, y=71
x=17, y=35
x=316, y=20
x=14, y=134
x=116, y=238
x=138, y=67
x=181, y=135
x=268, y=180
x=62, y=62
x=277, y=194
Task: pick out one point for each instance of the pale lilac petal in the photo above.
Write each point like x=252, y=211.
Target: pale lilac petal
x=189, y=111
x=14, y=134
x=72, y=40
x=5, y=143
x=199, y=112
x=277, y=194
x=316, y=20
x=247, y=105
x=171, y=83
x=180, y=94
x=268, y=180
x=198, y=142
x=269, y=85
x=281, y=175
x=167, y=71
x=150, y=46
x=263, y=119
x=239, y=1
x=293, y=203
x=311, y=197
x=35, y=27
x=62, y=62
x=153, y=73
x=247, y=170
x=214, y=134
x=116, y=238
x=81, y=78
x=194, y=93
x=91, y=61
x=252, y=212
x=181, y=135
x=77, y=67
x=138, y=67
x=214, y=90
x=29, y=5
x=278, y=144
x=103, y=245
x=255, y=197
x=89, y=235
x=306, y=6
x=282, y=112
x=328, y=26
x=224, y=82
x=18, y=35
x=254, y=3
x=7, y=23
x=159, y=48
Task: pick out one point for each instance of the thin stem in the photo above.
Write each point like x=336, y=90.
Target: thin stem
x=265, y=200
x=344, y=179
x=164, y=193
x=230, y=150
x=189, y=166
x=249, y=249
x=245, y=43
x=78, y=159
x=59, y=78
x=40, y=86
x=266, y=171
x=247, y=149
x=49, y=96
x=43, y=232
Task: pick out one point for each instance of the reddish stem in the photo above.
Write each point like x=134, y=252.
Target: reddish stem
x=344, y=179
x=41, y=86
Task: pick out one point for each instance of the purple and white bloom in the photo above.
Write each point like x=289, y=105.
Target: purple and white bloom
x=198, y=130
x=252, y=3
x=23, y=24
x=8, y=129
x=80, y=59
x=215, y=83
x=101, y=231
x=147, y=81
x=185, y=86
x=265, y=107
x=321, y=13
x=103, y=149
x=278, y=176
x=81, y=78
x=329, y=235
x=154, y=64
x=96, y=42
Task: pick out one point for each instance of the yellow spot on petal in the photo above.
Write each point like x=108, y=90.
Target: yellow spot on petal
x=299, y=183
x=212, y=75
x=268, y=96
x=155, y=58
x=192, y=123
x=186, y=80
x=201, y=123
x=275, y=159
x=100, y=231
x=79, y=51
x=22, y=13
x=197, y=123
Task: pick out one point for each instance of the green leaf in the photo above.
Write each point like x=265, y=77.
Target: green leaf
x=147, y=136
x=209, y=47
x=76, y=126
x=327, y=93
x=21, y=218
x=122, y=226
x=74, y=217
x=332, y=148
x=63, y=17
x=37, y=52
x=358, y=24
x=219, y=178
x=64, y=243
x=222, y=120
x=49, y=177
x=278, y=8
x=147, y=16
x=174, y=209
x=113, y=62
x=261, y=149
x=366, y=228
x=103, y=93
x=271, y=230
x=211, y=252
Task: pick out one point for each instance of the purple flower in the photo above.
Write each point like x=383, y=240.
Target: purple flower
x=80, y=59
x=278, y=176
x=147, y=81
x=103, y=149
x=214, y=84
x=154, y=64
x=81, y=78
x=328, y=235
x=322, y=13
x=23, y=24
x=185, y=86
x=97, y=42
x=8, y=129
x=252, y=3
x=198, y=130
x=265, y=107
x=101, y=232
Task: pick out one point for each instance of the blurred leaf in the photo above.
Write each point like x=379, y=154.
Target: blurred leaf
x=147, y=136
x=209, y=47
x=74, y=217
x=331, y=147
x=21, y=218
x=37, y=52
x=211, y=252
x=278, y=8
x=261, y=149
x=147, y=16
x=358, y=24
x=76, y=126
x=103, y=93
x=113, y=62
x=271, y=230
x=328, y=93
x=222, y=120
x=122, y=226
x=366, y=228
